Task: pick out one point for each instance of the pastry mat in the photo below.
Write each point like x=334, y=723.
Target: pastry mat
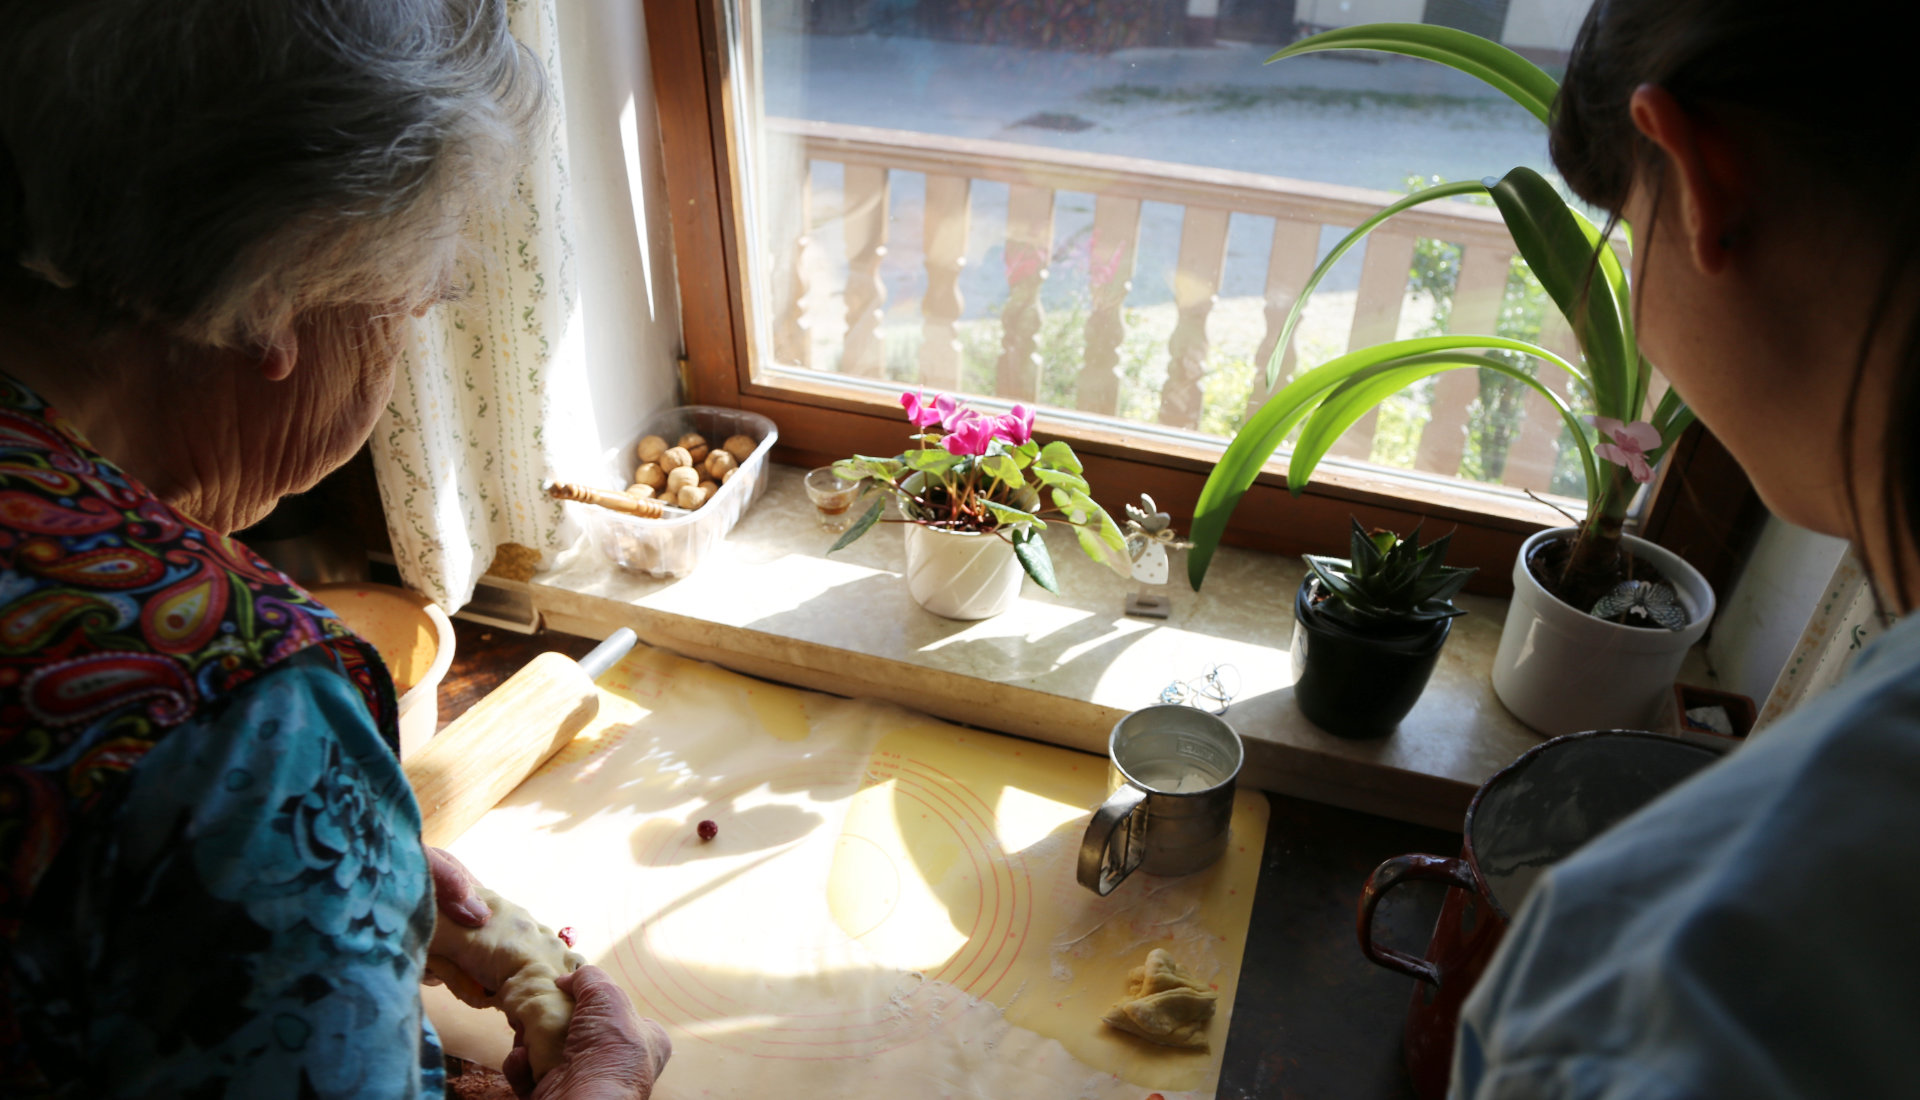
x=889, y=908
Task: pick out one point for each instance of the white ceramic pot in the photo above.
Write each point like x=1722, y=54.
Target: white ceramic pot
x=961, y=575
x=1563, y=671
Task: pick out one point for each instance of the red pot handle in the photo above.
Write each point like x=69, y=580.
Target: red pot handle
x=1399, y=869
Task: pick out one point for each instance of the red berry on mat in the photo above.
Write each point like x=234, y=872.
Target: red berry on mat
x=708, y=830
x=566, y=935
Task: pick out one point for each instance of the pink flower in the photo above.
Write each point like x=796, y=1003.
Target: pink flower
x=928, y=413
x=1023, y=262
x=1630, y=445
x=1099, y=271
x=1015, y=427
x=972, y=434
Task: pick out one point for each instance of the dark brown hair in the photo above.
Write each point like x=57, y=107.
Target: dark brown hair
x=1818, y=98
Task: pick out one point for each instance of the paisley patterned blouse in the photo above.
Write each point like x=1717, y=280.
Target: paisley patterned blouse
x=211, y=877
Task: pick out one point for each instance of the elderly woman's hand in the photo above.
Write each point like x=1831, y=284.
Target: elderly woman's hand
x=611, y=1052
x=453, y=890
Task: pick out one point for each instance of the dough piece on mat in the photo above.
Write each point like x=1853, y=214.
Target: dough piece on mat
x=1164, y=1005
x=512, y=962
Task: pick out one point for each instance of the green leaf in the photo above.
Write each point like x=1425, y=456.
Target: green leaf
x=933, y=461
x=1091, y=547
x=1359, y=233
x=1031, y=549
x=865, y=466
x=1009, y=516
x=861, y=526
x=1061, y=457
x=1267, y=428
x=1560, y=246
x=1004, y=469
x=1381, y=380
x=1521, y=80
x=1060, y=479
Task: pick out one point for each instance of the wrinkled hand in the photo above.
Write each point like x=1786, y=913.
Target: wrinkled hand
x=453, y=890
x=611, y=1053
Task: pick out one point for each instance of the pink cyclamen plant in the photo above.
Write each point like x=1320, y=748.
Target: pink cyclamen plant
x=978, y=474
x=1630, y=445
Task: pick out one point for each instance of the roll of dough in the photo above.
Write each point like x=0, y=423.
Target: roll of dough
x=512, y=962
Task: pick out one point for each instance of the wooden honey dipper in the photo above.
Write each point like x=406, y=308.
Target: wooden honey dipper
x=625, y=503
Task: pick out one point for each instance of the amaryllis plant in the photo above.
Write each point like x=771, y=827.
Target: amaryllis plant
x=1587, y=281
x=986, y=475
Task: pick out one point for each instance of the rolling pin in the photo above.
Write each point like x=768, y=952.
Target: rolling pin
x=467, y=768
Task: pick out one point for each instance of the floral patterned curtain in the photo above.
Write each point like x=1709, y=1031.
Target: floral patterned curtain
x=473, y=431
x=1847, y=617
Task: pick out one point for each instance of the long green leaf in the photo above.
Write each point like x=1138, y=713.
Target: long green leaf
x=1339, y=412
x=1359, y=233
x=860, y=527
x=1559, y=245
x=1269, y=426
x=1521, y=80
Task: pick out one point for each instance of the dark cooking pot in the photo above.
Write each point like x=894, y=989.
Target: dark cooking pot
x=1533, y=813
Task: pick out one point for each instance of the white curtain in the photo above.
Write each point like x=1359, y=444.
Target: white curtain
x=511, y=387
x=1844, y=621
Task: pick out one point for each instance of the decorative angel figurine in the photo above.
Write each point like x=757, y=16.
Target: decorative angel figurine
x=1149, y=536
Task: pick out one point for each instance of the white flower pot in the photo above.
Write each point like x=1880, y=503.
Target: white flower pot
x=1560, y=670
x=959, y=574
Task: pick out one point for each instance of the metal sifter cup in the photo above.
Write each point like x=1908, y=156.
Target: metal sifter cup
x=1172, y=771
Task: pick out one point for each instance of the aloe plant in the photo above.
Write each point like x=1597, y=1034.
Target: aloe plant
x=1390, y=580
x=1579, y=271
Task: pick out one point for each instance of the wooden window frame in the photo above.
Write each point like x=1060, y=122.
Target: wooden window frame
x=1703, y=507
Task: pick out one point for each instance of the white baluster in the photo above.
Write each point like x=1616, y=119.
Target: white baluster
x=1110, y=256
x=1029, y=249
x=865, y=225
x=1196, y=281
x=947, y=219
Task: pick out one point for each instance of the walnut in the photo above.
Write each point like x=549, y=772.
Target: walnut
x=675, y=457
x=740, y=446
x=719, y=462
x=728, y=476
x=711, y=487
x=693, y=496
x=681, y=477
x=651, y=475
x=640, y=490
x=651, y=448
x=692, y=440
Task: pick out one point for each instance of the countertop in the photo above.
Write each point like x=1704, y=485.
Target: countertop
x=1313, y=1018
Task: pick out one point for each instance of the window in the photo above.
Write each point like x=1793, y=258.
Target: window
x=1106, y=208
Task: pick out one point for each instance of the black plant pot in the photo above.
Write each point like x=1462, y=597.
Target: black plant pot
x=1355, y=683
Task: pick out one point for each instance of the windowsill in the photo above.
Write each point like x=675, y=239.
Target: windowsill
x=770, y=602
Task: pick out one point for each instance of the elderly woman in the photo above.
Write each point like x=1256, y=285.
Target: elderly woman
x=1749, y=934
x=215, y=218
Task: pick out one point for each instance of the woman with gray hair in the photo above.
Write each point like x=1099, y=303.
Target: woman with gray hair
x=216, y=216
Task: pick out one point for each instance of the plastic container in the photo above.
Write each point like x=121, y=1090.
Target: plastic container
x=675, y=546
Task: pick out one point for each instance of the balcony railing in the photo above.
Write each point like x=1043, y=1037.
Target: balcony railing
x=1207, y=198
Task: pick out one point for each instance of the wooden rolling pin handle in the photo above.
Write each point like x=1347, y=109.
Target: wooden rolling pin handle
x=625, y=503
x=488, y=751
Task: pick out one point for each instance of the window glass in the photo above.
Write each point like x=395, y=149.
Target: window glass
x=1106, y=208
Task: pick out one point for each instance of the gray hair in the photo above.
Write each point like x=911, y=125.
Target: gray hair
x=222, y=167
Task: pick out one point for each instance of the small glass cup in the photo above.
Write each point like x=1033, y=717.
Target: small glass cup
x=832, y=497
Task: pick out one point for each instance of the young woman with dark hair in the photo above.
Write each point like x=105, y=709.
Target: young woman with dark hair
x=1746, y=935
